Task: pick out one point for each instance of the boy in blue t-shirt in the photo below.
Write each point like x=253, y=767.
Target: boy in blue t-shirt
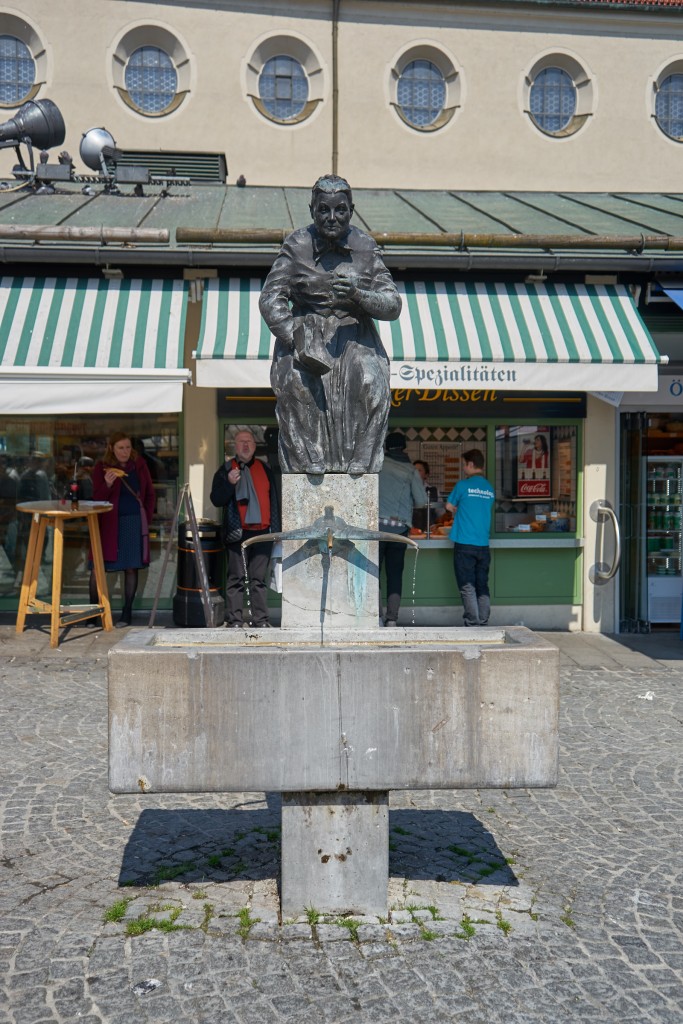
x=471, y=501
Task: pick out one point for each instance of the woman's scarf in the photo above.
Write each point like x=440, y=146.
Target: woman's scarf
x=245, y=491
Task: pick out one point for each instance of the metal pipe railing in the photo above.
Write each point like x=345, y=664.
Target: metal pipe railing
x=456, y=240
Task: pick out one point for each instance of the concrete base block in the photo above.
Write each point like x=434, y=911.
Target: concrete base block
x=326, y=592
x=335, y=853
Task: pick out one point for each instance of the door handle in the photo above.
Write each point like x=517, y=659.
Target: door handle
x=601, y=512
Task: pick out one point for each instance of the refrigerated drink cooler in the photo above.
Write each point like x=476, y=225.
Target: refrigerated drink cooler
x=663, y=522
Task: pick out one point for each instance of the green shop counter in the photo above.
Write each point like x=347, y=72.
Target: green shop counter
x=535, y=579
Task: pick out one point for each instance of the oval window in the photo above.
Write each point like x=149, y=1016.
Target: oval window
x=17, y=71
x=151, y=80
x=552, y=100
x=283, y=88
x=669, y=106
x=421, y=93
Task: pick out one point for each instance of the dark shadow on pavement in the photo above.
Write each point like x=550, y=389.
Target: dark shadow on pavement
x=239, y=843
x=445, y=846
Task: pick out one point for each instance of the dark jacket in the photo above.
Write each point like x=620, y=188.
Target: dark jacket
x=223, y=496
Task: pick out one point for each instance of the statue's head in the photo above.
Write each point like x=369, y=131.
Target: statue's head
x=331, y=206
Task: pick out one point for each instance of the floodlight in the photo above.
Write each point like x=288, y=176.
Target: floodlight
x=37, y=122
x=96, y=144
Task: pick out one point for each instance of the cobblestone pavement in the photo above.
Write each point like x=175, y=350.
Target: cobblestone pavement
x=507, y=906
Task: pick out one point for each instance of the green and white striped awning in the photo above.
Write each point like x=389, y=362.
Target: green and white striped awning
x=455, y=335
x=91, y=345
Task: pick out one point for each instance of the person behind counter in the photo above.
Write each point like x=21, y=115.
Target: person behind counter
x=471, y=501
x=400, y=491
x=122, y=477
x=422, y=468
x=244, y=487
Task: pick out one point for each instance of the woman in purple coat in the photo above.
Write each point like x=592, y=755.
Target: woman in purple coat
x=122, y=477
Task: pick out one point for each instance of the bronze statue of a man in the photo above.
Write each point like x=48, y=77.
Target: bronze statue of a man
x=330, y=373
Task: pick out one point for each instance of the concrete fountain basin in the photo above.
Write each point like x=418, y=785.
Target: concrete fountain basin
x=279, y=710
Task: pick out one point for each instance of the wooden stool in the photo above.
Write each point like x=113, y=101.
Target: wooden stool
x=56, y=514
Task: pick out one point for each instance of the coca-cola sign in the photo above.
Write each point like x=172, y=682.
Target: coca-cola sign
x=533, y=488
x=533, y=462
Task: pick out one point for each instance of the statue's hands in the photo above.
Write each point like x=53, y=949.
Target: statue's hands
x=344, y=289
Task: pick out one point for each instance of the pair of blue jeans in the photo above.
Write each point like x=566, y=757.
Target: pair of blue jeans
x=471, y=563
x=393, y=556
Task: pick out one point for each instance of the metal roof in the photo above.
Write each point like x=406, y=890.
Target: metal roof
x=440, y=228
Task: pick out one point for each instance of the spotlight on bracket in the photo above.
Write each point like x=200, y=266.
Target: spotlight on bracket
x=99, y=152
x=36, y=123
x=96, y=145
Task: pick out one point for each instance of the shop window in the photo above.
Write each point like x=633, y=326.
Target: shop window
x=536, y=479
x=40, y=457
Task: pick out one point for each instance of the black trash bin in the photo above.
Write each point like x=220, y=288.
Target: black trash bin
x=188, y=609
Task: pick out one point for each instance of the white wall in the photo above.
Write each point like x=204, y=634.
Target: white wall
x=489, y=144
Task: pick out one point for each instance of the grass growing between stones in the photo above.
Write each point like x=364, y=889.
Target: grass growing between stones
x=146, y=922
x=169, y=872
x=116, y=912
x=351, y=924
x=271, y=834
x=502, y=923
x=467, y=928
x=480, y=863
x=566, y=917
x=412, y=909
x=246, y=921
x=213, y=862
x=208, y=914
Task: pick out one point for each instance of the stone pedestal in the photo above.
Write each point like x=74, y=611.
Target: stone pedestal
x=335, y=853
x=319, y=591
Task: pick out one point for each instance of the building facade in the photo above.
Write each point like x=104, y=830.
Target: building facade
x=519, y=163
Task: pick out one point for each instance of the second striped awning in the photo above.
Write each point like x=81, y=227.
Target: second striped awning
x=456, y=335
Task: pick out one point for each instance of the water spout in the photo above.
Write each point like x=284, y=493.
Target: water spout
x=328, y=528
